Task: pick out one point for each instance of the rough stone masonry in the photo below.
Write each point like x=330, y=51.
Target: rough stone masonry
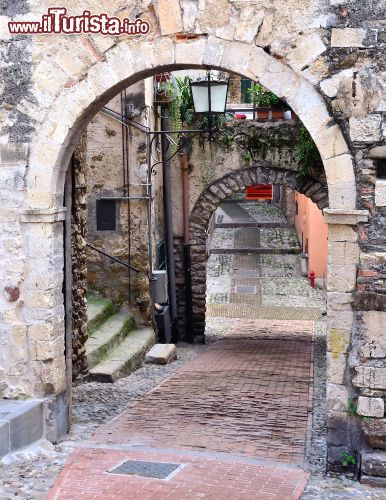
x=325, y=58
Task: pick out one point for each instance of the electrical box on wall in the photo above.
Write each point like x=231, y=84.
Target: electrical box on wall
x=160, y=287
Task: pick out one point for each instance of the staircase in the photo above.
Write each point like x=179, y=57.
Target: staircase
x=115, y=346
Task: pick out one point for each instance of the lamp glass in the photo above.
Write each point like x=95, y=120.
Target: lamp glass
x=200, y=97
x=218, y=92
x=218, y=96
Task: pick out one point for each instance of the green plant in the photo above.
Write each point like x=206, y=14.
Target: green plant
x=260, y=96
x=186, y=100
x=347, y=459
x=226, y=139
x=307, y=152
x=351, y=407
x=246, y=156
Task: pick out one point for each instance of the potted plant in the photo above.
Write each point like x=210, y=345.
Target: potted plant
x=162, y=77
x=163, y=92
x=266, y=101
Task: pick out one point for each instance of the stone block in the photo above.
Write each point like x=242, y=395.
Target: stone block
x=245, y=30
x=373, y=258
x=170, y=16
x=190, y=52
x=367, y=129
x=375, y=430
x=370, y=377
x=189, y=10
x=378, y=152
x=348, y=216
x=26, y=424
x=372, y=350
x=344, y=253
x=308, y=49
x=336, y=366
x=338, y=341
x=374, y=463
x=375, y=327
x=380, y=193
x=347, y=37
x=373, y=481
x=341, y=278
x=13, y=154
x=331, y=142
x=340, y=320
x=4, y=437
x=338, y=301
x=371, y=407
x=337, y=398
x=340, y=232
x=330, y=86
x=161, y=354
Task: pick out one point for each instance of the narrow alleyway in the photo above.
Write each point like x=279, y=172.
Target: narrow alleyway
x=245, y=398
x=237, y=417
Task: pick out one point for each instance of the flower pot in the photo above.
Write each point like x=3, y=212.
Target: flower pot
x=262, y=113
x=277, y=114
x=162, y=78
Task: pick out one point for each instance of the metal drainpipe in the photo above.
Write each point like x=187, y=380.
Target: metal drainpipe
x=187, y=254
x=171, y=267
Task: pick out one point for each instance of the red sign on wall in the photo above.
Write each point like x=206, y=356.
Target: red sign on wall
x=259, y=192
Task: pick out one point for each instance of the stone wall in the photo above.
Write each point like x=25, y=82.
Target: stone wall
x=79, y=259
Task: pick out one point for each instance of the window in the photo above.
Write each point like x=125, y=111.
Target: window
x=106, y=215
x=245, y=85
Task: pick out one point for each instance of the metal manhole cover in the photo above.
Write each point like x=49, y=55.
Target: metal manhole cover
x=248, y=273
x=247, y=289
x=156, y=470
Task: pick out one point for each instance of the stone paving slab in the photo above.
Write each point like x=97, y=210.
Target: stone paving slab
x=85, y=477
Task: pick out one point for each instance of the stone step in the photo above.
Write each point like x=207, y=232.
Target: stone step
x=108, y=336
x=21, y=424
x=126, y=357
x=98, y=310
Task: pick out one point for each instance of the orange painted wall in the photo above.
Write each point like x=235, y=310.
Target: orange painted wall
x=310, y=226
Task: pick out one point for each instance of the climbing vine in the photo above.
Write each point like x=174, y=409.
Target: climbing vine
x=307, y=153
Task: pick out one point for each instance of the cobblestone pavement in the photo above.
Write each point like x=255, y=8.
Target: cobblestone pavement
x=247, y=395
x=254, y=285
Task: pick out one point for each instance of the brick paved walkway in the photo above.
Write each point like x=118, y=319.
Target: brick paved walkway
x=245, y=398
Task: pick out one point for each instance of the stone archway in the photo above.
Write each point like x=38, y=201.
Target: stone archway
x=65, y=111
x=209, y=201
x=72, y=107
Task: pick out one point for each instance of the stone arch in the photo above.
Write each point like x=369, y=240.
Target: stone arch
x=67, y=109
x=126, y=63
x=209, y=201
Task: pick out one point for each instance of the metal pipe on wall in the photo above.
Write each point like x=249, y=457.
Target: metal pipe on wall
x=171, y=267
x=186, y=240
